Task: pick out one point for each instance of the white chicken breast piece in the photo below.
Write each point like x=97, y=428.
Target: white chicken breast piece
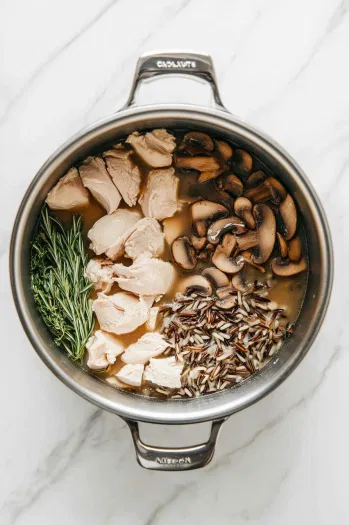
x=121, y=313
x=95, y=178
x=145, y=276
x=69, y=193
x=115, y=382
x=147, y=346
x=159, y=198
x=124, y=173
x=103, y=349
x=109, y=233
x=131, y=374
x=101, y=274
x=164, y=372
x=152, y=318
x=147, y=239
x=154, y=147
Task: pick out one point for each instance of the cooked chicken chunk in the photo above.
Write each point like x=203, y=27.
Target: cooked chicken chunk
x=121, y=313
x=154, y=147
x=147, y=346
x=159, y=199
x=152, y=318
x=101, y=274
x=147, y=239
x=145, y=276
x=68, y=193
x=108, y=234
x=102, y=350
x=131, y=374
x=164, y=372
x=95, y=178
x=124, y=173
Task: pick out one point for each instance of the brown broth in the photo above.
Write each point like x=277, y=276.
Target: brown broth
x=287, y=292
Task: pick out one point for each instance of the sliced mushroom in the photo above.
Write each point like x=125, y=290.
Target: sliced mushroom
x=233, y=185
x=288, y=215
x=195, y=283
x=200, y=139
x=295, y=249
x=270, y=189
x=286, y=268
x=241, y=283
x=203, y=210
x=255, y=179
x=222, y=260
x=197, y=163
x=243, y=209
x=247, y=256
x=224, y=149
x=200, y=228
x=224, y=291
x=229, y=243
x=217, y=278
x=205, y=176
x=282, y=245
x=220, y=227
x=263, y=238
x=243, y=161
x=184, y=253
x=227, y=303
x=198, y=242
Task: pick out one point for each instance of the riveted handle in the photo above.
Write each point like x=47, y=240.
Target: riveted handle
x=197, y=65
x=186, y=458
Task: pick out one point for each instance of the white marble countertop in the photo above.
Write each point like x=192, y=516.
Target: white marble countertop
x=281, y=65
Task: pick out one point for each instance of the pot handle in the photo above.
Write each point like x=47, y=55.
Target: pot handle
x=153, y=65
x=175, y=459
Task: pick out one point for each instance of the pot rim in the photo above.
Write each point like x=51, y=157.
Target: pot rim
x=204, y=408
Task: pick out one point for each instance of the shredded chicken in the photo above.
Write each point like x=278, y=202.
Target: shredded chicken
x=108, y=234
x=147, y=346
x=69, y=193
x=101, y=274
x=159, y=199
x=102, y=350
x=124, y=173
x=154, y=147
x=95, y=177
x=164, y=372
x=121, y=313
x=147, y=239
x=145, y=276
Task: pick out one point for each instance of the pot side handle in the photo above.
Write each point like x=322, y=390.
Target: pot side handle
x=153, y=65
x=175, y=459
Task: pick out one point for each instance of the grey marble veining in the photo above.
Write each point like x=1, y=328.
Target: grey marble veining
x=282, y=66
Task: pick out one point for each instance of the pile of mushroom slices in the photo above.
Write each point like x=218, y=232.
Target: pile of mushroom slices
x=241, y=227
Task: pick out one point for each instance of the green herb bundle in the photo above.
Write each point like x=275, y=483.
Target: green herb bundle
x=61, y=291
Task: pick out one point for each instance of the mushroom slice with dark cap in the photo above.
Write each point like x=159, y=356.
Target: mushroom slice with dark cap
x=204, y=210
x=255, y=179
x=200, y=228
x=195, y=283
x=282, y=246
x=270, y=189
x=247, y=256
x=184, y=253
x=233, y=185
x=227, y=303
x=243, y=161
x=295, y=249
x=288, y=213
x=263, y=238
x=224, y=149
x=198, y=242
x=205, y=176
x=243, y=209
x=216, y=277
x=241, y=283
x=222, y=256
x=220, y=227
x=286, y=268
x=199, y=163
x=198, y=139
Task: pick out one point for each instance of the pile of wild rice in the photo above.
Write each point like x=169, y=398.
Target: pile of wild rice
x=221, y=347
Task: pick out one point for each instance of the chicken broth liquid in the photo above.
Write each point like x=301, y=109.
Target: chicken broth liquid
x=284, y=292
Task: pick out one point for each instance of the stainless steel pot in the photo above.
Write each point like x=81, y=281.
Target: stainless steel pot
x=216, y=407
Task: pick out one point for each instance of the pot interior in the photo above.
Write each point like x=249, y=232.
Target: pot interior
x=319, y=251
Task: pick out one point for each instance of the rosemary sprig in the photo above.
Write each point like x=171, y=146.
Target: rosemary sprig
x=61, y=291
